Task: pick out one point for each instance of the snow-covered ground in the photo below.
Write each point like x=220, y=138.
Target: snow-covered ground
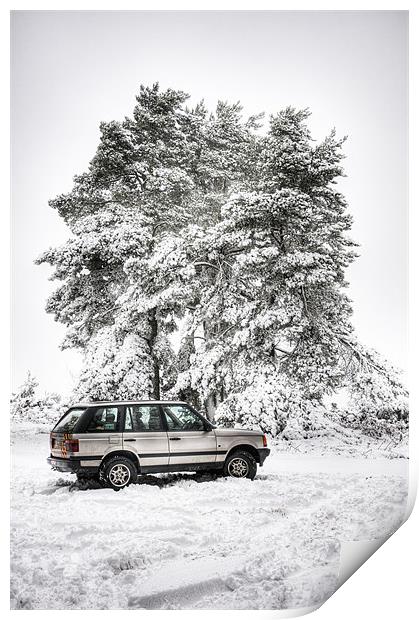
x=182, y=541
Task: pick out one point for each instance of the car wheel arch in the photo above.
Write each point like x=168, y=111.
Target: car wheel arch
x=126, y=453
x=244, y=447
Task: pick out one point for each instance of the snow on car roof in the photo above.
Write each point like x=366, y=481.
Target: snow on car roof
x=97, y=403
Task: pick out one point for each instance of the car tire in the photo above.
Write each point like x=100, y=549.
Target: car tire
x=118, y=472
x=240, y=464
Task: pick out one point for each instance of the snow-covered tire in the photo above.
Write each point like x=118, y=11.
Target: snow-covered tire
x=118, y=472
x=240, y=464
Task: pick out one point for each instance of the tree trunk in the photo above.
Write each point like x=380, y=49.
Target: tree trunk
x=156, y=369
x=210, y=406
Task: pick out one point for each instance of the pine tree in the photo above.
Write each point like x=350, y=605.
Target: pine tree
x=27, y=406
x=378, y=402
x=136, y=187
x=24, y=399
x=151, y=176
x=272, y=271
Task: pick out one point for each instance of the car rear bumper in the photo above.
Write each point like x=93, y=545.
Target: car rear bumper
x=263, y=453
x=71, y=464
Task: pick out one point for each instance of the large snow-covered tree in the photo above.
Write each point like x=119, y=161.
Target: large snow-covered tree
x=277, y=334
x=152, y=174
x=185, y=215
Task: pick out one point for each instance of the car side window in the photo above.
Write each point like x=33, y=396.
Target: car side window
x=143, y=418
x=182, y=418
x=105, y=419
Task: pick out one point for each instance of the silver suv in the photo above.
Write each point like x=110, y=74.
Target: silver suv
x=116, y=441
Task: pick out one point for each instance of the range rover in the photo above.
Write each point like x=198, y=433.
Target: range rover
x=115, y=442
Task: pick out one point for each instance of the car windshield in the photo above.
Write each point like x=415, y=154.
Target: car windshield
x=69, y=421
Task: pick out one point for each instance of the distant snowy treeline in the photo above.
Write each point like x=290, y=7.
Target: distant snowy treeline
x=28, y=405
x=323, y=420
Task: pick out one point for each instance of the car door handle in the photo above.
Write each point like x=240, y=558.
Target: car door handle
x=129, y=439
x=175, y=438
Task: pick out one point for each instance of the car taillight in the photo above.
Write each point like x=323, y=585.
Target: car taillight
x=265, y=441
x=71, y=445
x=51, y=441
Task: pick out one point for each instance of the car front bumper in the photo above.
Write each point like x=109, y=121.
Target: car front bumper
x=263, y=453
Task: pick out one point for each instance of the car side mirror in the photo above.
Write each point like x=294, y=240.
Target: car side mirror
x=207, y=426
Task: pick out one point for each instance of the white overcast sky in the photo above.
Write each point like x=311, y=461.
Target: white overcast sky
x=71, y=70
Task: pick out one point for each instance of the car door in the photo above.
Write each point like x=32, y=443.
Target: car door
x=189, y=440
x=145, y=434
x=102, y=433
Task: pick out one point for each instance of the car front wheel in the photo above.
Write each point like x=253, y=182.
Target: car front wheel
x=119, y=472
x=240, y=464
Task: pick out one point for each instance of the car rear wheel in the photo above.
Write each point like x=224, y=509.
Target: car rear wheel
x=119, y=472
x=240, y=464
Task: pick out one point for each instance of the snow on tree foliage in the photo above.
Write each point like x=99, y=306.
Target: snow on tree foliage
x=115, y=365
x=27, y=406
x=186, y=214
x=378, y=402
x=152, y=175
